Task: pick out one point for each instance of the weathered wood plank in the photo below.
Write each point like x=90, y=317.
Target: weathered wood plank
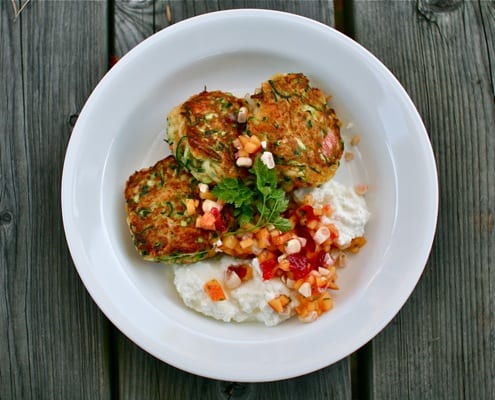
x=442, y=344
x=142, y=376
x=319, y=10
x=14, y=339
x=135, y=20
x=52, y=341
x=139, y=374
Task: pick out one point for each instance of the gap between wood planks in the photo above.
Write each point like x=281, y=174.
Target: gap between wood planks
x=344, y=16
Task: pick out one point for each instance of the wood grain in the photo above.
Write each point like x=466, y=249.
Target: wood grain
x=143, y=376
x=135, y=20
x=320, y=10
x=442, y=344
x=52, y=341
x=56, y=344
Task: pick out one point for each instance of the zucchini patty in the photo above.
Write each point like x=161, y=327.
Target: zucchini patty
x=200, y=134
x=157, y=216
x=300, y=129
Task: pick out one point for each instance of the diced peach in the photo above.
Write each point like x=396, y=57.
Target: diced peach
x=206, y=221
x=191, y=206
x=332, y=285
x=249, y=274
x=312, y=305
x=298, y=283
x=282, y=239
x=230, y=241
x=325, y=302
x=214, y=290
x=237, y=144
x=251, y=147
x=321, y=281
x=246, y=243
x=265, y=255
x=256, y=140
x=243, y=139
x=356, y=244
x=278, y=303
x=263, y=238
x=242, y=153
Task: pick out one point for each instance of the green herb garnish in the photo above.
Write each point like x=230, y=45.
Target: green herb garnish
x=257, y=199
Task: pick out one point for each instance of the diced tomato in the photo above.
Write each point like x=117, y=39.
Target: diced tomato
x=220, y=224
x=267, y=268
x=240, y=270
x=317, y=259
x=303, y=232
x=298, y=265
x=308, y=211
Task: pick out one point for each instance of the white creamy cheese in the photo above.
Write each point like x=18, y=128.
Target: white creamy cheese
x=248, y=302
x=350, y=213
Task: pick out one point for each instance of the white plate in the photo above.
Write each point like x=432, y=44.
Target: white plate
x=121, y=129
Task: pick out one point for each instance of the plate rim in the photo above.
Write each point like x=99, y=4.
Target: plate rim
x=97, y=294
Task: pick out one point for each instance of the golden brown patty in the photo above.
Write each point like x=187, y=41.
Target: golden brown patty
x=200, y=134
x=300, y=129
x=156, y=213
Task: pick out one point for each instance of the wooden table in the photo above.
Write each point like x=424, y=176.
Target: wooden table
x=54, y=341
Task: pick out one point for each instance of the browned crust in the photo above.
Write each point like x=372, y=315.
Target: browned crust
x=301, y=130
x=202, y=129
x=157, y=217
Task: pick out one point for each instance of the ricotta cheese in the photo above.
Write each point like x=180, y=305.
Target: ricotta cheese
x=248, y=302
x=350, y=213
